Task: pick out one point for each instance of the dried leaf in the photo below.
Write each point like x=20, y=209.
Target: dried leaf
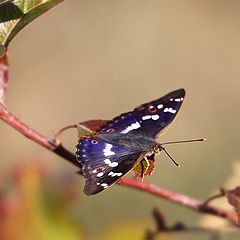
x=232, y=180
x=16, y=14
x=233, y=197
x=88, y=127
x=145, y=168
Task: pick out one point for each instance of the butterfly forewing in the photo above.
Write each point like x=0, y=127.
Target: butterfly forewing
x=123, y=124
x=157, y=115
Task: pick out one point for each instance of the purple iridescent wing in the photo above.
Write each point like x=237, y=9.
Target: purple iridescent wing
x=104, y=163
x=123, y=123
x=149, y=119
x=154, y=117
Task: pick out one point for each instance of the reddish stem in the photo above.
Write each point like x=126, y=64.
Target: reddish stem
x=179, y=199
x=53, y=146
x=35, y=136
x=3, y=75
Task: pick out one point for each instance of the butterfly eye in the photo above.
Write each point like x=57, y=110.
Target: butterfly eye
x=152, y=109
x=110, y=130
x=94, y=142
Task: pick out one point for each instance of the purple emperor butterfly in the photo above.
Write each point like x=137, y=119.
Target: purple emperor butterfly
x=123, y=142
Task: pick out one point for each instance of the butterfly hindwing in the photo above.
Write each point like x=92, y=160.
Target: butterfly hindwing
x=104, y=163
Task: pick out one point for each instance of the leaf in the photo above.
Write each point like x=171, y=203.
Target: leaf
x=88, y=127
x=2, y=2
x=232, y=180
x=145, y=168
x=16, y=14
x=3, y=77
x=233, y=197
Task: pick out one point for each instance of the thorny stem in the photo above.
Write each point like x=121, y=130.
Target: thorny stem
x=57, y=148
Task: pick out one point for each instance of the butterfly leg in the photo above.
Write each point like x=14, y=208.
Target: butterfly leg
x=144, y=167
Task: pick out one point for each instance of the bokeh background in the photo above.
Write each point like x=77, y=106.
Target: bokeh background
x=96, y=59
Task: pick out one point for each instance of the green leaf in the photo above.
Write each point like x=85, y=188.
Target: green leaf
x=16, y=14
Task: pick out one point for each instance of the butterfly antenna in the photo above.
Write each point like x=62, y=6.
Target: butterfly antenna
x=185, y=141
x=162, y=148
x=181, y=141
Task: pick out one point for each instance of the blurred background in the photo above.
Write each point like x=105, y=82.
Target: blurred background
x=87, y=60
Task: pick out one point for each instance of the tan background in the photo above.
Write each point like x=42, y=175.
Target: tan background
x=96, y=59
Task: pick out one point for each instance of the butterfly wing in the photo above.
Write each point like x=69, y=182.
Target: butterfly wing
x=149, y=119
x=123, y=124
x=104, y=163
x=154, y=117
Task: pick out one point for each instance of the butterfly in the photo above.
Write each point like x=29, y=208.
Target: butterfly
x=120, y=144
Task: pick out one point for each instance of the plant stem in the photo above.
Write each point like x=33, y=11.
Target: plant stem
x=180, y=199
x=37, y=137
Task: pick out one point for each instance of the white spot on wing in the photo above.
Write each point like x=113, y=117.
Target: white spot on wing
x=107, y=150
x=113, y=174
x=159, y=106
x=113, y=164
x=146, y=117
x=133, y=126
x=107, y=161
x=110, y=164
x=100, y=174
x=170, y=110
x=105, y=185
x=155, y=117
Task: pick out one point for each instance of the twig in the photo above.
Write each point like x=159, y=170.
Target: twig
x=219, y=195
x=35, y=136
x=180, y=199
x=60, y=131
x=51, y=145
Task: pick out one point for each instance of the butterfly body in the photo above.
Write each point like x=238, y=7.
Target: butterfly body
x=120, y=144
